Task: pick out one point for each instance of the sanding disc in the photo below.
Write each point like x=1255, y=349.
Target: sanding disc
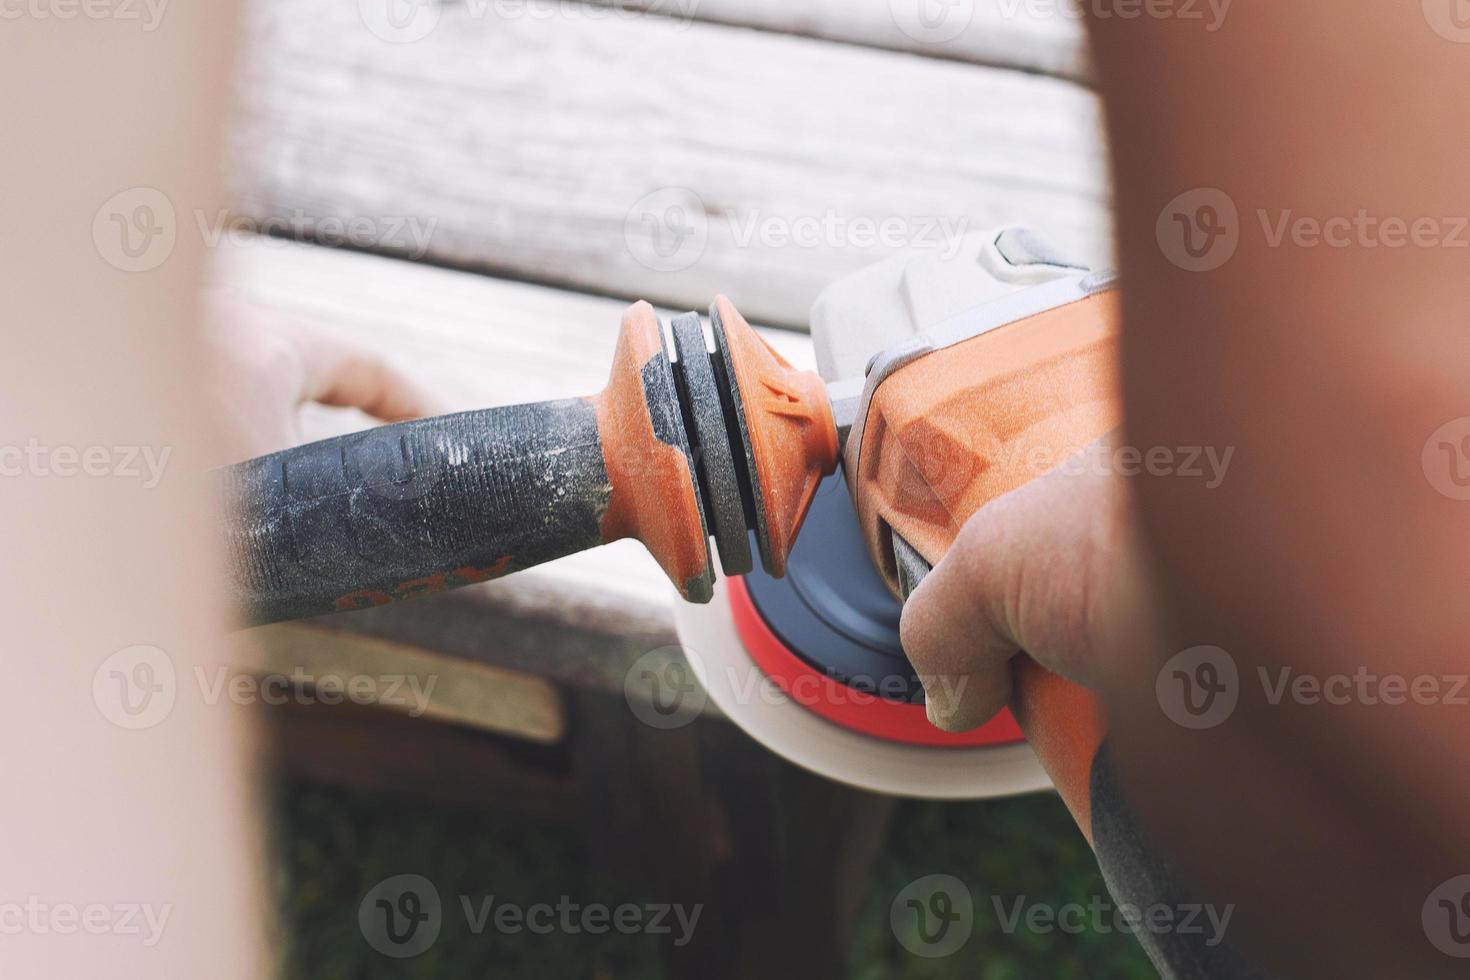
x=811, y=665
x=791, y=730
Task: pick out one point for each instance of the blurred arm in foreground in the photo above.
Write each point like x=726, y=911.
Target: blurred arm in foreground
x=128, y=845
x=1292, y=235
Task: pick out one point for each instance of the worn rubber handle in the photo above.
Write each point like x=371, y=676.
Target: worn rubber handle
x=421, y=507
x=413, y=508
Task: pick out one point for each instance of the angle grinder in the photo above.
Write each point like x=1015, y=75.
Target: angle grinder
x=945, y=381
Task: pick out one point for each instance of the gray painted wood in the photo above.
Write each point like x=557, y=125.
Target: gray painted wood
x=1045, y=36
x=650, y=157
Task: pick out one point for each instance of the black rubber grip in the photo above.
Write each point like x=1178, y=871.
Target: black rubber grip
x=910, y=567
x=413, y=508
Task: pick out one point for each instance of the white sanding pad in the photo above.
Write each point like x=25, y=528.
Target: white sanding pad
x=737, y=685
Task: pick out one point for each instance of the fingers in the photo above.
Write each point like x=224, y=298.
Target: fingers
x=345, y=376
x=954, y=630
x=267, y=366
x=1038, y=570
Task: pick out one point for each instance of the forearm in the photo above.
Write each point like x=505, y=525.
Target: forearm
x=1326, y=368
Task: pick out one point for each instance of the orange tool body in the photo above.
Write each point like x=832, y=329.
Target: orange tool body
x=949, y=428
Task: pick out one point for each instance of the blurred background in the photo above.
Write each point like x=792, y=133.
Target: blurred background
x=475, y=190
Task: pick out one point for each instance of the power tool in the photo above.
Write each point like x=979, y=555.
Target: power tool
x=945, y=381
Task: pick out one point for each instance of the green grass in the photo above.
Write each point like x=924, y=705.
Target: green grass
x=1025, y=848
x=330, y=847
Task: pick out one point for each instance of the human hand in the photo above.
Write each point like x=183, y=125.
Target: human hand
x=1052, y=568
x=266, y=367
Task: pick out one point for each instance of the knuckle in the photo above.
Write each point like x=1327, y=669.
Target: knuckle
x=911, y=632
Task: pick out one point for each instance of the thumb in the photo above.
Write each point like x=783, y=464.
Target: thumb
x=1031, y=570
x=955, y=630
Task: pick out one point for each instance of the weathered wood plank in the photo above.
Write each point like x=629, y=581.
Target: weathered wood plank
x=1045, y=36
x=368, y=750
x=342, y=667
x=471, y=341
x=645, y=157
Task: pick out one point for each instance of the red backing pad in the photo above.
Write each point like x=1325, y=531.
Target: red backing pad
x=842, y=705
